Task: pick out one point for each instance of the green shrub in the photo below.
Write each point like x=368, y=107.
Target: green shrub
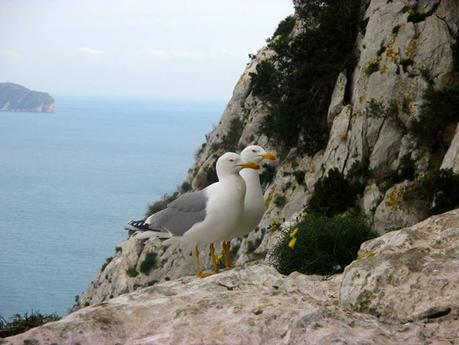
x=396, y=29
x=21, y=323
x=439, y=109
x=333, y=194
x=415, y=17
x=299, y=176
x=231, y=139
x=363, y=26
x=381, y=51
x=267, y=176
x=405, y=63
x=148, y=263
x=298, y=82
x=455, y=49
x=216, y=146
x=285, y=27
x=185, y=187
x=279, y=41
x=280, y=200
x=438, y=188
x=321, y=245
x=373, y=66
x=160, y=204
x=107, y=261
x=266, y=81
x=211, y=175
x=132, y=272
x=378, y=109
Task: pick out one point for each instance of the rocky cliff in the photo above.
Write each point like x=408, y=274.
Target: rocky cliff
x=402, y=289
x=402, y=50
x=14, y=97
x=370, y=94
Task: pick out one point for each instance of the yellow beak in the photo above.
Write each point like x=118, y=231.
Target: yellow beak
x=269, y=155
x=250, y=165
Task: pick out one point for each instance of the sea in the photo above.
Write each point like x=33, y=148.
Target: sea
x=71, y=180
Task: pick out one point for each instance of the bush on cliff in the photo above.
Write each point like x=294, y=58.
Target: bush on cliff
x=333, y=194
x=297, y=83
x=440, y=109
x=321, y=245
x=438, y=188
x=21, y=323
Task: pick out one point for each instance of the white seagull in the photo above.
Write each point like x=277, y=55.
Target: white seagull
x=209, y=215
x=254, y=207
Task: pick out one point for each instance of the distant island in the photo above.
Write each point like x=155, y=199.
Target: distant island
x=14, y=97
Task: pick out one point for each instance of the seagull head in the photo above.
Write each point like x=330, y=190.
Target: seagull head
x=231, y=163
x=257, y=154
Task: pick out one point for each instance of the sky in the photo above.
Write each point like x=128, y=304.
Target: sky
x=172, y=49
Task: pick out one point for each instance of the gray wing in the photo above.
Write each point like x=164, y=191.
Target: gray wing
x=181, y=214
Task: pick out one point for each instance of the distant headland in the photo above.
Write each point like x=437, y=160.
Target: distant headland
x=14, y=97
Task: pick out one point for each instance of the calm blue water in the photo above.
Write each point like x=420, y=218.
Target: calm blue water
x=69, y=181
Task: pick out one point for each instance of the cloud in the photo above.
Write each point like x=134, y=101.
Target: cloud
x=91, y=51
x=11, y=53
x=159, y=53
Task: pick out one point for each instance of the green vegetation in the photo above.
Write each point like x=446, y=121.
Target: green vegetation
x=363, y=26
x=298, y=82
x=377, y=109
x=438, y=188
x=405, y=63
x=107, y=261
x=161, y=204
x=132, y=272
x=299, y=176
x=373, y=66
x=333, y=194
x=267, y=176
x=280, y=38
x=396, y=29
x=185, y=187
x=455, y=49
x=211, y=174
x=321, y=245
x=149, y=262
x=280, y=200
x=381, y=50
x=21, y=323
x=440, y=109
x=415, y=17
x=231, y=139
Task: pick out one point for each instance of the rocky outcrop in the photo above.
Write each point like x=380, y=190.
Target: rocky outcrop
x=408, y=275
x=403, y=288
x=397, y=59
x=14, y=97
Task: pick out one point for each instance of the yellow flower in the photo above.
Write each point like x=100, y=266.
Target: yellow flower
x=294, y=232
x=292, y=242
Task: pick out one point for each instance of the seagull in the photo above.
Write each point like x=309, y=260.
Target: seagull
x=209, y=215
x=253, y=200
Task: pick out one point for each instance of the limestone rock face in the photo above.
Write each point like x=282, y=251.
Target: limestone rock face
x=393, y=212
x=396, y=60
x=407, y=275
x=403, y=288
x=451, y=159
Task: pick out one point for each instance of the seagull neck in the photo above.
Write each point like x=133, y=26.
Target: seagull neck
x=228, y=177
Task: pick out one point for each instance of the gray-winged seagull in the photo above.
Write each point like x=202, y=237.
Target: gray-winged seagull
x=209, y=215
x=253, y=201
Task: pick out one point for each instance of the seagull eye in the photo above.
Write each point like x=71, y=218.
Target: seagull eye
x=231, y=160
